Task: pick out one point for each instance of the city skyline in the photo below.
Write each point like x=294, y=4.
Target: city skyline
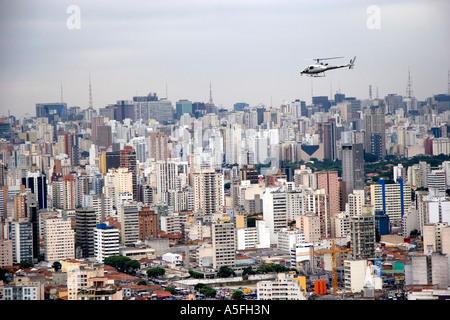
x=248, y=51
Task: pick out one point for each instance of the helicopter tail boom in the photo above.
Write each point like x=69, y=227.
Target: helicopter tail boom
x=352, y=63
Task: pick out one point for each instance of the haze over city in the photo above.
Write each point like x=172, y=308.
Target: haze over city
x=249, y=51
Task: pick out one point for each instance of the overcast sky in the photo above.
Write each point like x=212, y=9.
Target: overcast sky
x=249, y=50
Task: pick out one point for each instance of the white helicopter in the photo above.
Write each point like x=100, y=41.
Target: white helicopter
x=318, y=69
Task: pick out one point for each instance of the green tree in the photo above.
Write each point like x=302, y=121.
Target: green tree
x=132, y=266
x=56, y=265
x=171, y=289
x=225, y=272
x=248, y=271
x=117, y=262
x=26, y=264
x=238, y=295
x=196, y=275
x=155, y=272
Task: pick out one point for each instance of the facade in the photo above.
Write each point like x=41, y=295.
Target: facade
x=393, y=199
x=285, y=287
x=85, y=223
x=148, y=224
x=158, y=146
x=328, y=180
x=375, y=131
x=354, y=275
x=353, y=173
x=362, y=229
x=208, y=191
x=106, y=242
x=253, y=237
x=275, y=211
x=129, y=220
x=21, y=235
x=59, y=239
x=6, y=253
x=223, y=244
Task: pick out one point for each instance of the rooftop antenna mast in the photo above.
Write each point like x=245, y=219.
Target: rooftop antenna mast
x=448, y=82
x=409, y=92
x=90, y=93
x=62, y=99
x=370, y=92
x=210, y=94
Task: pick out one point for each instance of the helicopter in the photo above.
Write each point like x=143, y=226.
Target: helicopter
x=318, y=69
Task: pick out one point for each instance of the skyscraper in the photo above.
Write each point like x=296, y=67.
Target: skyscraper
x=223, y=244
x=158, y=146
x=375, y=130
x=353, y=173
x=148, y=224
x=329, y=140
x=85, y=223
x=328, y=180
x=128, y=160
x=38, y=185
x=393, y=199
x=208, y=191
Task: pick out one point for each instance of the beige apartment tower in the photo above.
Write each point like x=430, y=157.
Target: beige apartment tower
x=59, y=239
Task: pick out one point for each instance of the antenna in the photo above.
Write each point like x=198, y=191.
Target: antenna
x=448, y=82
x=62, y=99
x=370, y=92
x=409, y=92
x=90, y=93
x=210, y=94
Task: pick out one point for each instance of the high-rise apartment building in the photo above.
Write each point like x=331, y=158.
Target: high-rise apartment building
x=285, y=287
x=309, y=224
x=129, y=220
x=21, y=235
x=158, y=146
x=328, y=180
x=85, y=223
x=106, y=242
x=148, y=224
x=393, y=199
x=59, y=239
x=275, y=211
x=208, y=191
x=128, y=160
x=356, y=201
x=223, y=244
x=362, y=229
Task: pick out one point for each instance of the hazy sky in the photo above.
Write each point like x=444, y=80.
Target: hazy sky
x=250, y=50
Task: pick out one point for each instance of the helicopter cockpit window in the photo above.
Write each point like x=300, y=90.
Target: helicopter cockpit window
x=312, y=67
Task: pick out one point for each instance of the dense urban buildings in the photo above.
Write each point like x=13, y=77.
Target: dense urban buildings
x=343, y=195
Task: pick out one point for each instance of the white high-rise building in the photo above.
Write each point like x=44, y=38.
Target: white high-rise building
x=59, y=239
x=295, y=204
x=106, y=242
x=356, y=201
x=284, y=287
x=253, y=237
x=275, y=211
x=288, y=239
